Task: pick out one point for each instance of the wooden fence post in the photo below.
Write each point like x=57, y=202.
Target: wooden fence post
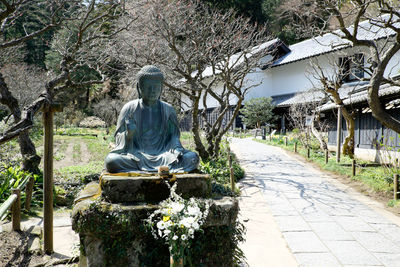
x=48, y=182
x=16, y=211
x=232, y=177
x=353, y=167
x=308, y=152
x=48, y=113
x=396, y=187
x=29, y=190
x=326, y=156
x=285, y=140
x=295, y=147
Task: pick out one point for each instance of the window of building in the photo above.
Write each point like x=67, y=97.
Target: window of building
x=352, y=68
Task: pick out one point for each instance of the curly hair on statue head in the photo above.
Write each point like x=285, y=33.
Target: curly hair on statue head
x=149, y=71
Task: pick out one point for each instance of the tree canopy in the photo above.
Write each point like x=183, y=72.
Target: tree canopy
x=205, y=53
x=290, y=20
x=257, y=111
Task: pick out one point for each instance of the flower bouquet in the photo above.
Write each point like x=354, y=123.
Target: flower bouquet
x=176, y=221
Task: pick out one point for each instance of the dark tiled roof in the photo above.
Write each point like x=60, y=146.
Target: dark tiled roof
x=316, y=95
x=303, y=97
x=238, y=59
x=332, y=42
x=278, y=99
x=360, y=96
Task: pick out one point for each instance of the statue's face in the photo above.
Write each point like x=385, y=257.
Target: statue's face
x=150, y=90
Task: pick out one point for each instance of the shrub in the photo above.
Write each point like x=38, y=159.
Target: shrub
x=218, y=169
x=10, y=177
x=92, y=122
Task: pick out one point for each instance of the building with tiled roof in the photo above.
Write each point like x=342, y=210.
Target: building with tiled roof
x=290, y=79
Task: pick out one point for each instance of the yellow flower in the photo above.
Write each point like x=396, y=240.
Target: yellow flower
x=166, y=218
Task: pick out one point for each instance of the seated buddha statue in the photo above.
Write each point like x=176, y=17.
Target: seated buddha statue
x=147, y=134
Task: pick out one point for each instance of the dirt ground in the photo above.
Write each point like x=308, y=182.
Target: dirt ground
x=14, y=249
x=69, y=160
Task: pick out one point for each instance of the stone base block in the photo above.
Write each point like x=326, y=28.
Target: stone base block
x=122, y=189
x=114, y=234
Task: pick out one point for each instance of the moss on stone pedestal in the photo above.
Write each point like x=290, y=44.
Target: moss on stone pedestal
x=115, y=234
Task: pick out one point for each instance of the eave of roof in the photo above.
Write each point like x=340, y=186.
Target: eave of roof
x=238, y=59
x=331, y=42
x=311, y=96
x=359, y=97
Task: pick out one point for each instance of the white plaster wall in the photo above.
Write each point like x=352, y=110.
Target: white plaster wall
x=393, y=67
x=295, y=77
x=289, y=78
x=379, y=156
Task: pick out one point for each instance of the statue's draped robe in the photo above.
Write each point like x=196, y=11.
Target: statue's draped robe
x=152, y=144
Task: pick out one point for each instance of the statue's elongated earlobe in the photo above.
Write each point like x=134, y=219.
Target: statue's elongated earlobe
x=138, y=90
x=162, y=88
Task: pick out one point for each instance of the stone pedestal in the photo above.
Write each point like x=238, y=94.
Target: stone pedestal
x=109, y=219
x=153, y=188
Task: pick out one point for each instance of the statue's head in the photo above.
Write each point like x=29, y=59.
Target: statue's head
x=150, y=83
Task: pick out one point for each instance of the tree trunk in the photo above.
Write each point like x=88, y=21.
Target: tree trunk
x=348, y=144
x=378, y=110
x=219, y=132
x=30, y=160
x=322, y=143
x=197, y=135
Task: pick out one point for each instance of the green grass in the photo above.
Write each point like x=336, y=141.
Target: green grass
x=376, y=178
x=77, y=173
x=62, y=148
x=187, y=140
x=394, y=203
x=98, y=148
x=76, y=152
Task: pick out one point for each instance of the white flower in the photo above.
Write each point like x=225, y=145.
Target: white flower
x=168, y=224
x=176, y=207
x=178, y=215
x=166, y=232
x=187, y=221
x=161, y=225
x=196, y=226
x=194, y=211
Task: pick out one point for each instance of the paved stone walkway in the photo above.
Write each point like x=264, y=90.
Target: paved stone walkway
x=322, y=224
